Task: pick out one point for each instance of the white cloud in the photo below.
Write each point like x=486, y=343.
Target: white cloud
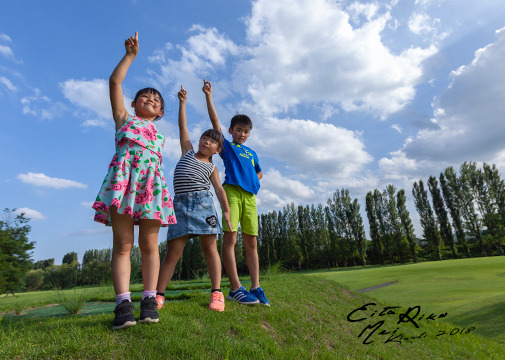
x=87, y=204
x=172, y=148
x=298, y=56
x=468, y=116
x=30, y=213
x=204, y=51
x=92, y=95
x=357, y=9
x=88, y=232
x=5, y=37
x=8, y=84
x=96, y=123
x=41, y=106
x=278, y=191
x=397, y=128
x=42, y=180
x=421, y=23
x=7, y=52
x=319, y=149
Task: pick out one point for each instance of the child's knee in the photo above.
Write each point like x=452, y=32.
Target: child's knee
x=122, y=248
x=148, y=247
x=250, y=242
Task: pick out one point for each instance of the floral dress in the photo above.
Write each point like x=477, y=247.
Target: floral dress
x=135, y=183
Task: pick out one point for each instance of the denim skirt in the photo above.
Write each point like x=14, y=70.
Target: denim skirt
x=196, y=215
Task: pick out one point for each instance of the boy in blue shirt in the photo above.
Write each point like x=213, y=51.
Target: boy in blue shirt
x=241, y=184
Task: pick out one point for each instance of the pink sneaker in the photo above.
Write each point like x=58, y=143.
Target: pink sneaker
x=216, y=301
x=161, y=301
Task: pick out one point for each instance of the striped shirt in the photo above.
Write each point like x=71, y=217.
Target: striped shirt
x=191, y=174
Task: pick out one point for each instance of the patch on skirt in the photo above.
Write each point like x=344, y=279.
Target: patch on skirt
x=212, y=221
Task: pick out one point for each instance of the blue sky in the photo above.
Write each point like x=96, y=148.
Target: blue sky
x=341, y=93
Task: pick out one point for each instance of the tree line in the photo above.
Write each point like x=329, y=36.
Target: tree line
x=462, y=214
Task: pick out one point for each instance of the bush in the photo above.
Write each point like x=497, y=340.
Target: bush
x=34, y=279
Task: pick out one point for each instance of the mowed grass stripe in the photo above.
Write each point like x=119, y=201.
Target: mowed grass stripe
x=472, y=291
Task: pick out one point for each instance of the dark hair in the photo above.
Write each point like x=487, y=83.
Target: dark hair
x=241, y=119
x=151, y=91
x=216, y=136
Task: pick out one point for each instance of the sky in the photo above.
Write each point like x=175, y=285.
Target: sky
x=342, y=94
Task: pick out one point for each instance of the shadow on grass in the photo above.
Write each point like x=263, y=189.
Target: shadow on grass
x=493, y=318
x=59, y=311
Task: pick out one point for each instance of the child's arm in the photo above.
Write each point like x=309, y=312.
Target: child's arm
x=183, y=127
x=207, y=89
x=260, y=175
x=221, y=196
x=119, y=112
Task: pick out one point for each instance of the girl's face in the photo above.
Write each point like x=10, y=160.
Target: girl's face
x=208, y=146
x=148, y=106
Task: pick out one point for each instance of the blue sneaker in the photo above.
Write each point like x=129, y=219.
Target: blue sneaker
x=242, y=296
x=258, y=292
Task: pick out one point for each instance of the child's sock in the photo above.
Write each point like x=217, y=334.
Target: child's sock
x=123, y=296
x=147, y=293
x=252, y=289
x=160, y=294
x=215, y=290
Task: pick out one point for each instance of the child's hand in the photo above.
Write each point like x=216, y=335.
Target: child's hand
x=207, y=88
x=182, y=95
x=132, y=44
x=226, y=216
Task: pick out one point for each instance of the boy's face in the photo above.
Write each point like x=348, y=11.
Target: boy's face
x=239, y=133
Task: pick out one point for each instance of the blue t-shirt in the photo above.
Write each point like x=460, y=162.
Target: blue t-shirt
x=241, y=166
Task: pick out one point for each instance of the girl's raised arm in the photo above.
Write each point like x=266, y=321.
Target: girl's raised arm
x=119, y=112
x=207, y=89
x=183, y=127
x=221, y=196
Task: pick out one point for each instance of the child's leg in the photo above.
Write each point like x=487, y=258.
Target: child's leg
x=175, y=247
x=209, y=249
x=148, y=244
x=122, y=230
x=251, y=249
x=230, y=265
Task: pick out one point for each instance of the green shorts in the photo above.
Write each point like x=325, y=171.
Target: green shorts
x=242, y=209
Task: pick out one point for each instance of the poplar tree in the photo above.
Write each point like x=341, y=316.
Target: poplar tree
x=408, y=229
x=430, y=230
x=495, y=222
x=380, y=214
x=448, y=183
x=374, y=227
x=467, y=183
x=441, y=213
x=393, y=221
x=293, y=249
x=357, y=228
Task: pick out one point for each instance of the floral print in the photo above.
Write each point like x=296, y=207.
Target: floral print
x=135, y=183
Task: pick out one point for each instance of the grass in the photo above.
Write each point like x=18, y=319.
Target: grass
x=471, y=291
x=308, y=319
x=72, y=302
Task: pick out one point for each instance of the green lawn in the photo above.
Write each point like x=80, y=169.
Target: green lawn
x=308, y=319
x=471, y=291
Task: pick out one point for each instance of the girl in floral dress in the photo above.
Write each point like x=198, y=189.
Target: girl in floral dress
x=135, y=192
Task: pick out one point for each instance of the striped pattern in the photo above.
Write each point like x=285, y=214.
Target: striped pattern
x=191, y=174
x=242, y=296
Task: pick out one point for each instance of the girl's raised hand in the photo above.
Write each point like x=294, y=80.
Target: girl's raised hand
x=182, y=95
x=132, y=44
x=207, y=87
